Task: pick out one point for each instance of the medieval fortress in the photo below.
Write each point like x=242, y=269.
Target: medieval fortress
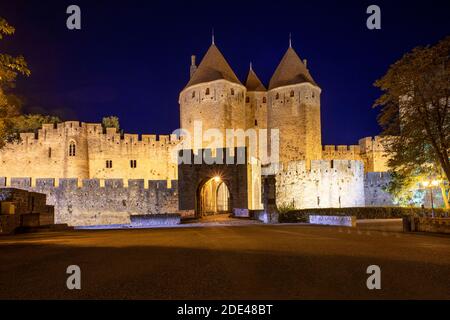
x=95, y=176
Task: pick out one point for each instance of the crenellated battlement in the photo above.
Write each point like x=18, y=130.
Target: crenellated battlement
x=237, y=155
x=340, y=148
x=371, y=144
x=85, y=202
x=326, y=184
x=93, y=130
x=342, y=152
x=374, y=154
x=85, y=150
x=318, y=166
x=87, y=184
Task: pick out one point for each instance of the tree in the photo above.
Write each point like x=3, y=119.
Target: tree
x=406, y=186
x=10, y=68
x=30, y=123
x=111, y=122
x=415, y=112
x=12, y=122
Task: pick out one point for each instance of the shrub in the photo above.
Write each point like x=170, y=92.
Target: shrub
x=294, y=216
x=284, y=208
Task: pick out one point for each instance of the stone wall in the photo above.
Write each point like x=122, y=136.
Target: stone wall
x=373, y=154
x=103, y=202
x=256, y=110
x=374, y=184
x=21, y=208
x=369, y=150
x=46, y=154
x=235, y=174
x=218, y=104
x=295, y=111
x=341, y=152
x=327, y=184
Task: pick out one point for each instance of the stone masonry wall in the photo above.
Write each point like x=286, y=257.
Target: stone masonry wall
x=46, y=155
x=327, y=184
x=375, y=196
x=369, y=150
x=106, y=204
x=295, y=111
x=218, y=104
x=373, y=154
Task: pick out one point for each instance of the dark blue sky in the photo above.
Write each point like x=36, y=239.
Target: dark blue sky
x=131, y=58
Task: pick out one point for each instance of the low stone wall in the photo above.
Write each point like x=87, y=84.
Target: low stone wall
x=241, y=213
x=93, y=202
x=9, y=223
x=434, y=225
x=143, y=221
x=264, y=216
x=346, y=221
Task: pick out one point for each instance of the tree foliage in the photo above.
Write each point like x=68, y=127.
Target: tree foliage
x=10, y=68
x=30, y=122
x=415, y=113
x=111, y=122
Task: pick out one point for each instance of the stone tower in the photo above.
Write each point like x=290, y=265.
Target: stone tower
x=75, y=150
x=214, y=95
x=294, y=109
x=255, y=102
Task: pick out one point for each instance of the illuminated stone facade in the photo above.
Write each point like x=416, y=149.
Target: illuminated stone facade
x=310, y=175
x=84, y=151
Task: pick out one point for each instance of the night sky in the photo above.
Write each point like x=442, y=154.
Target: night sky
x=131, y=58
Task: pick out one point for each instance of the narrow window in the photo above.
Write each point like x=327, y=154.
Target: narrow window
x=49, y=152
x=109, y=164
x=313, y=95
x=193, y=94
x=133, y=164
x=277, y=96
x=72, y=149
x=247, y=100
x=264, y=100
x=207, y=91
x=292, y=93
x=256, y=122
x=232, y=92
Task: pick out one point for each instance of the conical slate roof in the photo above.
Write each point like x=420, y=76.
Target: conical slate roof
x=291, y=70
x=213, y=67
x=253, y=83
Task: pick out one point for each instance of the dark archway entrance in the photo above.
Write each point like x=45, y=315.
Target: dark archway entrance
x=201, y=193
x=213, y=197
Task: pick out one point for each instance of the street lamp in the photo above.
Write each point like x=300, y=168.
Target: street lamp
x=431, y=184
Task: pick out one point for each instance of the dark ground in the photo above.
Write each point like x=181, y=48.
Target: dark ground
x=226, y=262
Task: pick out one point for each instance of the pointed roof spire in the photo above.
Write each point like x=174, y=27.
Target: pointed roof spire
x=213, y=42
x=291, y=70
x=213, y=67
x=253, y=83
x=290, y=40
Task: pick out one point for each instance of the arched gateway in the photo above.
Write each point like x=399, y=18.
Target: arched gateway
x=213, y=197
x=227, y=185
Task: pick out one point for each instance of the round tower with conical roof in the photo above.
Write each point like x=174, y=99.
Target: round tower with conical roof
x=213, y=96
x=294, y=109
